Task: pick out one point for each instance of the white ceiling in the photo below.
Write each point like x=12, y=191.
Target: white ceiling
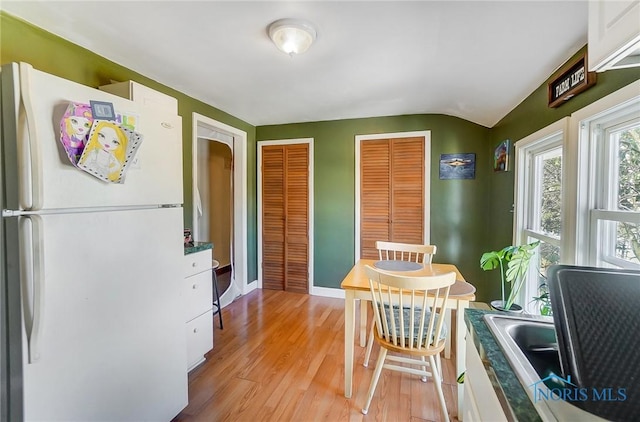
x=472, y=59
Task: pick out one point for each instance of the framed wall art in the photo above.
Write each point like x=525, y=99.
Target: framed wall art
x=457, y=166
x=501, y=156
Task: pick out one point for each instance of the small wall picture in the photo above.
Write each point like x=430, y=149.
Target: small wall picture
x=501, y=156
x=457, y=166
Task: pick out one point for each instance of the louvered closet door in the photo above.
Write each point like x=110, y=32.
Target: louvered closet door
x=273, y=217
x=391, y=192
x=407, y=190
x=296, y=250
x=375, y=192
x=285, y=217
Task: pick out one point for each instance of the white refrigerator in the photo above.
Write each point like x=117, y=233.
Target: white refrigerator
x=92, y=321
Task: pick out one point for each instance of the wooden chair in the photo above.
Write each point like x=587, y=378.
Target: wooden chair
x=407, y=323
x=400, y=252
x=405, y=251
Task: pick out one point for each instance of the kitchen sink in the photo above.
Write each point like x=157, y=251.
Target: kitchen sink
x=537, y=341
x=530, y=346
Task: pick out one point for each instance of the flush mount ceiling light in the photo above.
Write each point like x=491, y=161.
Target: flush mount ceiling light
x=293, y=36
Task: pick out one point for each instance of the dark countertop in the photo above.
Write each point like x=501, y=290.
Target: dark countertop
x=197, y=247
x=511, y=393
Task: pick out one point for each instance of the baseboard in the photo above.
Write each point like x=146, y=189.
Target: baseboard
x=327, y=292
x=315, y=291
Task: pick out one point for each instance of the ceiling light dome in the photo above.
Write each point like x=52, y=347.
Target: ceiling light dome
x=293, y=36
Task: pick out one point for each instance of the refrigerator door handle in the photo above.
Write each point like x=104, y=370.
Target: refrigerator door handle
x=35, y=162
x=32, y=270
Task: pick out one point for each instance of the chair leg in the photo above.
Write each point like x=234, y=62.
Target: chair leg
x=449, y=321
x=439, y=367
x=374, y=380
x=438, y=384
x=424, y=368
x=216, y=298
x=367, y=354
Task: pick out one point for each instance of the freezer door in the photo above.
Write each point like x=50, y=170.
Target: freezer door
x=111, y=342
x=46, y=177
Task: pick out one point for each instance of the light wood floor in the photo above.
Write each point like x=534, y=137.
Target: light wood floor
x=280, y=357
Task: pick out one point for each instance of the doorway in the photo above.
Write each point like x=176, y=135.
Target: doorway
x=218, y=195
x=220, y=200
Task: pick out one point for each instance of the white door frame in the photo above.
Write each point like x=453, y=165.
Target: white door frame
x=426, y=182
x=261, y=144
x=239, y=282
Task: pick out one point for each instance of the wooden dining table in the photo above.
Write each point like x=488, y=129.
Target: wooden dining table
x=356, y=287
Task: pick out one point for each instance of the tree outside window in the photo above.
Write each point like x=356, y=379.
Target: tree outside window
x=627, y=246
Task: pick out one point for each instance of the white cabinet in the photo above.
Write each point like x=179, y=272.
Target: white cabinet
x=614, y=34
x=198, y=306
x=161, y=127
x=162, y=137
x=480, y=400
x=142, y=94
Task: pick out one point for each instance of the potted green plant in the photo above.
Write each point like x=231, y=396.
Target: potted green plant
x=513, y=262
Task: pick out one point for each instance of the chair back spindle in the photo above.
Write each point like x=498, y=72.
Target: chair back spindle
x=407, y=322
x=406, y=308
x=405, y=252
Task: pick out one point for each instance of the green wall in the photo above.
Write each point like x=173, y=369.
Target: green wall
x=20, y=41
x=528, y=117
x=457, y=206
x=468, y=217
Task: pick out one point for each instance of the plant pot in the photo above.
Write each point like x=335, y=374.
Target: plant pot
x=498, y=305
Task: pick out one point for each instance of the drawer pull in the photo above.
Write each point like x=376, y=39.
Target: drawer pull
x=195, y=330
x=194, y=264
x=195, y=286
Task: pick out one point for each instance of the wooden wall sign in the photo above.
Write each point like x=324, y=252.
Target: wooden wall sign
x=569, y=81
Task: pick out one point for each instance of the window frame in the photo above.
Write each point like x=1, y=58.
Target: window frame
x=603, y=197
x=581, y=186
x=527, y=151
x=588, y=141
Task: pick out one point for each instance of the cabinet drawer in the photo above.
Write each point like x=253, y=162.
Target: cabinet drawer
x=199, y=338
x=198, y=262
x=199, y=294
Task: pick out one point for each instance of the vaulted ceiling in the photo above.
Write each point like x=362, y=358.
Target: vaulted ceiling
x=472, y=59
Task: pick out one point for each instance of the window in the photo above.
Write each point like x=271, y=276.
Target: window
x=614, y=194
x=539, y=201
x=577, y=189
